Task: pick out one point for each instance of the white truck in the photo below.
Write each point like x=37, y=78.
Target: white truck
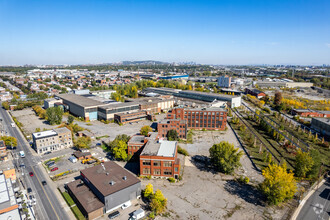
x=138, y=214
x=13, y=125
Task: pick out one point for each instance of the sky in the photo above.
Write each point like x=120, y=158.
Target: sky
x=228, y=32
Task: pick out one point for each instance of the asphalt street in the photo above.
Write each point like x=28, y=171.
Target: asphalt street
x=318, y=205
x=48, y=206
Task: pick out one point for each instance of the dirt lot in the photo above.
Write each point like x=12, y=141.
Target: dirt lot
x=206, y=195
x=30, y=121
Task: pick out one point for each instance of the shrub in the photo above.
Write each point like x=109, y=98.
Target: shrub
x=182, y=151
x=171, y=180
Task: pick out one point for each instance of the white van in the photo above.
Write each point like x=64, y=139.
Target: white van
x=13, y=125
x=22, y=154
x=138, y=214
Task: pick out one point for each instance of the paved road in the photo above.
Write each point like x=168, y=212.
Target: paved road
x=318, y=205
x=48, y=206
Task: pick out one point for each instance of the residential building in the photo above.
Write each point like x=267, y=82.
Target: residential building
x=52, y=140
x=255, y=92
x=111, y=184
x=321, y=125
x=165, y=125
x=224, y=81
x=159, y=158
x=201, y=118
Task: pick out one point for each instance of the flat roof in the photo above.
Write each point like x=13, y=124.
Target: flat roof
x=323, y=120
x=101, y=175
x=136, y=139
x=167, y=149
x=206, y=94
x=167, y=121
x=118, y=105
x=160, y=148
x=80, y=100
x=85, y=196
x=62, y=130
x=43, y=134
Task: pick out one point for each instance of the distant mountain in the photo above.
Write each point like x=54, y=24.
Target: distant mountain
x=144, y=62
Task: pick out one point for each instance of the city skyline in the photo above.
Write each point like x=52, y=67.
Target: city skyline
x=206, y=32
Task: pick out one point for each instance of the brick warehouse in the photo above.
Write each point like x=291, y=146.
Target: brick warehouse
x=159, y=158
x=169, y=124
x=199, y=118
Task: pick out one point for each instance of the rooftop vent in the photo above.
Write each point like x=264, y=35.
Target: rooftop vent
x=125, y=177
x=112, y=183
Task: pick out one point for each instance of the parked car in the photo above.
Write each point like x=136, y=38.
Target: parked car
x=138, y=214
x=55, y=168
x=44, y=183
x=32, y=200
x=48, y=152
x=22, y=165
x=49, y=162
x=29, y=190
x=114, y=215
x=31, y=174
x=126, y=205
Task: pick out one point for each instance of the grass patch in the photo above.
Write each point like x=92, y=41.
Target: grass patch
x=100, y=137
x=182, y=151
x=105, y=148
x=77, y=213
x=68, y=199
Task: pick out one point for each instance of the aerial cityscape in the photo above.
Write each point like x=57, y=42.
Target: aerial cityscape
x=165, y=110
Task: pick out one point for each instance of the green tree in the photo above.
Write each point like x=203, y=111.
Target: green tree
x=83, y=142
x=54, y=115
x=225, y=157
x=303, y=163
x=120, y=150
x=172, y=135
x=9, y=141
x=149, y=191
x=158, y=202
x=314, y=171
x=70, y=119
x=145, y=130
x=278, y=185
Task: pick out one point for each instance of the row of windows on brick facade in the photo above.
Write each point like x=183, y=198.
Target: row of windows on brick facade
x=205, y=117
x=180, y=136
x=133, y=148
x=146, y=171
x=203, y=113
x=208, y=125
x=157, y=163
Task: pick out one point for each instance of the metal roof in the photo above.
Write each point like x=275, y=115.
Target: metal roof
x=167, y=149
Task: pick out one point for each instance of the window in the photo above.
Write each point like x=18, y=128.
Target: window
x=176, y=169
x=146, y=162
x=167, y=172
x=156, y=171
x=146, y=171
x=167, y=164
x=156, y=163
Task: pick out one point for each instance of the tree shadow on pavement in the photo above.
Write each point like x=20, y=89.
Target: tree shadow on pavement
x=246, y=192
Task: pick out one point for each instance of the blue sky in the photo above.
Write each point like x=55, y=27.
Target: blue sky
x=207, y=32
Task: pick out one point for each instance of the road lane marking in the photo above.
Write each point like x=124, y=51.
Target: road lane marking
x=45, y=192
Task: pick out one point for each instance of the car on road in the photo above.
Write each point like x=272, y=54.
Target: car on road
x=29, y=190
x=31, y=174
x=48, y=152
x=32, y=200
x=13, y=125
x=22, y=165
x=114, y=215
x=44, y=183
x=55, y=168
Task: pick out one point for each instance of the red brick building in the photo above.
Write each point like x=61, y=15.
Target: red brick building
x=136, y=143
x=172, y=124
x=207, y=118
x=159, y=158
x=311, y=113
x=255, y=92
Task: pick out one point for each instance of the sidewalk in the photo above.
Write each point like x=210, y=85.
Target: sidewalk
x=303, y=201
